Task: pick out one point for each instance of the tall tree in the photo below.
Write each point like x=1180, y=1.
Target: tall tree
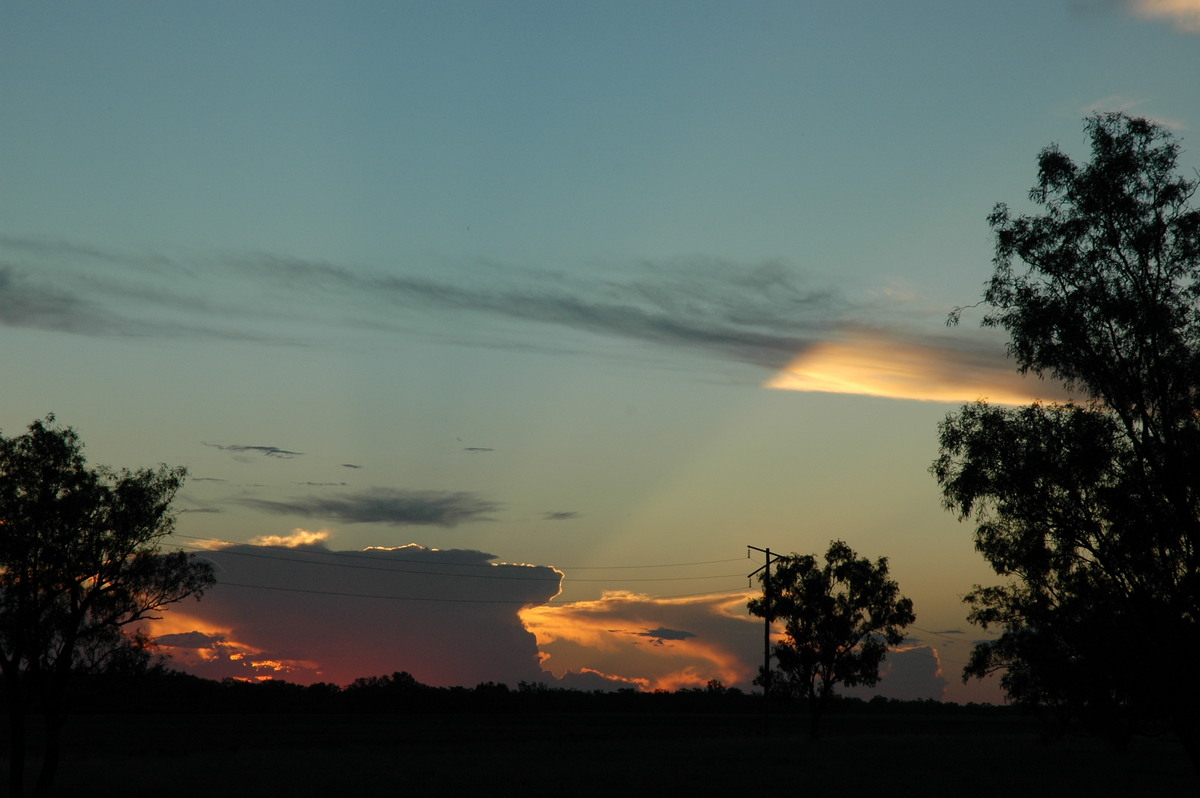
x=80, y=560
x=1091, y=509
x=838, y=620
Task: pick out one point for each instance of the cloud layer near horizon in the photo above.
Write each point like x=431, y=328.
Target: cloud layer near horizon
x=291, y=608
x=306, y=613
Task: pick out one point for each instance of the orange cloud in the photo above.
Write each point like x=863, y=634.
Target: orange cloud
x=658, y=644
x=299, y=537
x=870, y=364
x=208, y=650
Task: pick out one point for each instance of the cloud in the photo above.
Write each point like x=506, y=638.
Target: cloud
x=299, y=537
x=910, y=674
x=295, y=609
x=946, y=370
x=189, y=640
x=763, y=315
x=350, y=465
x=662, y=634
x=308, y=613
x=754, y=314
x=267, y=451
x=477, y=449
x=1184, y=15
x=386, y=506
x=685, y=642
x=593, y=637
x=560, y=516
x=43, y=287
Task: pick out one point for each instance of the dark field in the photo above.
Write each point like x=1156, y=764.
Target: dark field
x=600, y=755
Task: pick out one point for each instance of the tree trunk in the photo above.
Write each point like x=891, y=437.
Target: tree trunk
x=16, y=731
x=54, y=714
x=1185, y=729
x=54, y=725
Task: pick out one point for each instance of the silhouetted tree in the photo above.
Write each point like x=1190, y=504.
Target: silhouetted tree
x=79, y=562
x=838, y=620
x=1093, y=508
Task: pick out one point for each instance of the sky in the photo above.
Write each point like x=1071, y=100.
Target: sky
x=492, y=334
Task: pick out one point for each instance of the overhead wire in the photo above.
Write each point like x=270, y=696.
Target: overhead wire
x=238, y=549
x=448, y=600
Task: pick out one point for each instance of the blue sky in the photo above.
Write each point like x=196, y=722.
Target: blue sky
x=511, y=278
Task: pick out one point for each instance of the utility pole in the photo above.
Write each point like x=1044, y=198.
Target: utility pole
x=767, y=618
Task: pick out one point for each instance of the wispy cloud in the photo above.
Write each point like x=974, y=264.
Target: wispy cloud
x=763, y=315
x=386, y=506
x=267, y=451
x=561, y=515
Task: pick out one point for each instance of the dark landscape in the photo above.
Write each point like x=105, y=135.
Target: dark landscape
x=392, y=736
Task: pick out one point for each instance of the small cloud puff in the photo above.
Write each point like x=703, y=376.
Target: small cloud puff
x=299, y=537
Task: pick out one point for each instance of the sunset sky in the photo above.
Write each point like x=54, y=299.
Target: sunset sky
x=492, y=333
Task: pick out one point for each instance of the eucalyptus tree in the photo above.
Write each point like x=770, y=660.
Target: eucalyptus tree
x=838, y=619
x=1090, y=509
x=80, y=561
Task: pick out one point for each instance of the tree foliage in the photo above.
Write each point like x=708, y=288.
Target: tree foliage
x=838, y=620
x=1091, y=508
x=79, y=562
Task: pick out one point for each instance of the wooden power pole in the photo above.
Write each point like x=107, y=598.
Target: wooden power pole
x=767, y=618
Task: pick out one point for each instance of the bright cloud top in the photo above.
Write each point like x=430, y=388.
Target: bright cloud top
x=299, y=537
x=873, y=365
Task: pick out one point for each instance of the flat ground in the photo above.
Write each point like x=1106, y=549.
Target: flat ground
x=600, y=755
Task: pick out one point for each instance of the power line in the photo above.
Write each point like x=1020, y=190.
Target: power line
x=446, y=600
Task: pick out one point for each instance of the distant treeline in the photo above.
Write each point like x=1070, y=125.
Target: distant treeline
x=167, y=691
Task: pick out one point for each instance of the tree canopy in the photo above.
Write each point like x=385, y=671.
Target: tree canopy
x=80, y=561
x=1091, y=508
x=838, y=620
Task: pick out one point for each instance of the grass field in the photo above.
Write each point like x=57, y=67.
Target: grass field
x=599, y=755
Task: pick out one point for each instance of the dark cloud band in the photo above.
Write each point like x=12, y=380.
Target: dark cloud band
x=386, y=506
